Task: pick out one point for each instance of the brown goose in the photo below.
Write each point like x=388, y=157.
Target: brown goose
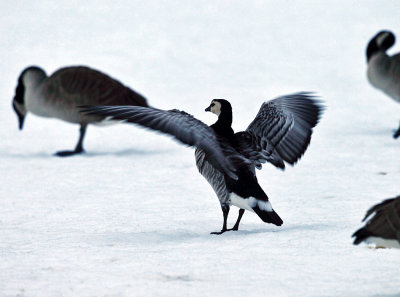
x=383, y=70
x=58, y=95
x=383, y=229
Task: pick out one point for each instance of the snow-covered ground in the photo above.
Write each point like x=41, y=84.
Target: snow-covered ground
x=132, y=216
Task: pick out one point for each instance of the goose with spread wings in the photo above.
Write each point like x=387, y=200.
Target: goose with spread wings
x=279, y=134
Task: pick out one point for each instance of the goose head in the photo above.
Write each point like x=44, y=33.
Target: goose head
x=382, y=41
x=220, y=106
x=223, y=109
x=30, y=77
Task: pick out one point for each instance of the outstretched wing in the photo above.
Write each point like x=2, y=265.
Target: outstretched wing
x=181, y=125
x=281, y=131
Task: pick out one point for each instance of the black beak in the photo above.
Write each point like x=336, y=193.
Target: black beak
x=208, y=108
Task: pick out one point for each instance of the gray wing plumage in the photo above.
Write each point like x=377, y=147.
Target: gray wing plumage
x=281, y=131
x=181, y=125
x=214, y=177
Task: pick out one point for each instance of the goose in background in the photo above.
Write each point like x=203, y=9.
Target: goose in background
x=58, y=95
x=383, y=228
x=383, y=70
x=281, y=132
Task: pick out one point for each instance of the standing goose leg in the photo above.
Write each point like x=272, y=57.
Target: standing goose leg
x=225, y=212
x=236, y=226
x=79, y=146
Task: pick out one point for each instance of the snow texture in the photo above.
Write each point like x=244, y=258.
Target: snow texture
x=132, y=216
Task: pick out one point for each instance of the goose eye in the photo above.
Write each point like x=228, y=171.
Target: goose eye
x=212, y=104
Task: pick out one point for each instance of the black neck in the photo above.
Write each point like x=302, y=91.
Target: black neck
x=223, y=126
x=20, y=92
x=372, y=49
x=225, y=118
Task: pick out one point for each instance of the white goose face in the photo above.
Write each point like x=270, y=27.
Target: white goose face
x=215, y=107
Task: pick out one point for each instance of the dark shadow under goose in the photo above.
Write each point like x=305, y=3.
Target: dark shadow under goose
x=383, y=70
x=280, y=133
x=58, y=95
x=383, y=228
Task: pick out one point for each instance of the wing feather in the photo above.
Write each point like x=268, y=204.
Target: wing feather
x=179, y=124
x=281, y=131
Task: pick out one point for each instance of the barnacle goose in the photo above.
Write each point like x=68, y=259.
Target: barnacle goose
x=281, y=132
x=383, y=228
x=383, y=70
x=58, y=95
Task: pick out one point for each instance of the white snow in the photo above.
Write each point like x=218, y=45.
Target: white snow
x=378, y=242
x=132, y=217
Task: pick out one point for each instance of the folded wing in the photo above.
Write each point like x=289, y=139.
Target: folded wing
x=281, y=131
x=87, y=86
x=181, y=125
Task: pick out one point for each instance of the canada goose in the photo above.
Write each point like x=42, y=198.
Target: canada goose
x=383, y=229
x=57, y=96
x=280, y=133
x=384, y=70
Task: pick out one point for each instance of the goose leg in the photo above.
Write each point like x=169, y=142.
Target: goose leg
x=397, y=133
x=225, y=212
x=79, y=146
x=236, y=226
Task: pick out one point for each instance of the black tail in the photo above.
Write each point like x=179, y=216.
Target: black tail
x=360, y=235
x=247, y=187
x=268, y=216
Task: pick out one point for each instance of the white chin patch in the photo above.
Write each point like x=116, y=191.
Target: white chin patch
x=250, y=203
x=381, y=38
x=379, y=242
x=216, y=108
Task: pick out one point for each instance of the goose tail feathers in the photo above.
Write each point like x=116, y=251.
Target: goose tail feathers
x=268, y=216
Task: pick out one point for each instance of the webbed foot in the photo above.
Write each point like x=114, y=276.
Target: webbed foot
x=220, y=232
x=69, y=153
